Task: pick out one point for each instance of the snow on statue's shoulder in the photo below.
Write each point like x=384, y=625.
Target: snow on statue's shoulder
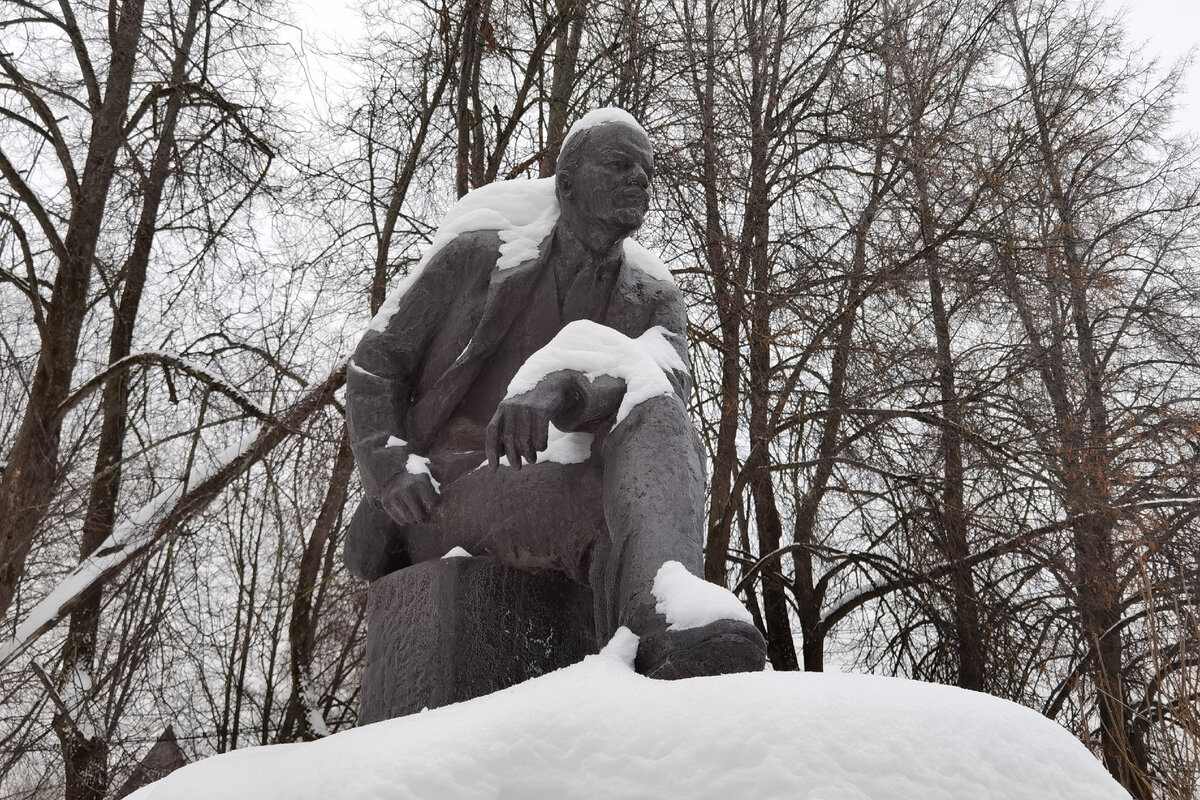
x=643, y=260
x=523, y=213
x=598, y=729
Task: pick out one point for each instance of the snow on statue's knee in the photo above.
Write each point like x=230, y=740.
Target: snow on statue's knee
x=595, y=351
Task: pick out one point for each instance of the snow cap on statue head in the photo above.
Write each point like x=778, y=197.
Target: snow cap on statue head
x=578, y=135
x=602, y=116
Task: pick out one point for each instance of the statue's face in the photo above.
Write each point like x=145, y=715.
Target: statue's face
x=610, y=184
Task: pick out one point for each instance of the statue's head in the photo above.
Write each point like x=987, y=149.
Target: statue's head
x=604, y=172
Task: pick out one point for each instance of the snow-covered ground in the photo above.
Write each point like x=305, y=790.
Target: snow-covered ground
x=599, y=730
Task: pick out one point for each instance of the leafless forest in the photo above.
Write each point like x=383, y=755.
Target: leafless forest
x=940, y=256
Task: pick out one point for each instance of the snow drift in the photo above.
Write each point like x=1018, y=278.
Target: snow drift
x=599, y=730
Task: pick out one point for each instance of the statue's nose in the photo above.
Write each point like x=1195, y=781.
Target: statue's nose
x=640, y=178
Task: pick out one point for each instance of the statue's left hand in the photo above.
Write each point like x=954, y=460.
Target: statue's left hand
x=521, y=424
x=410, y=498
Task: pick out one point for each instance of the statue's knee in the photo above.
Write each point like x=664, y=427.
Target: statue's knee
x=663, y=410
x=374, y=545
x=656, y=429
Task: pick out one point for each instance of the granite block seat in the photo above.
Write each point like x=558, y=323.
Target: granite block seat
x=452, y=629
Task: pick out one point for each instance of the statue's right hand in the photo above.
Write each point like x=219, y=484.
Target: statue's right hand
x=410, y=498
x=521, y=425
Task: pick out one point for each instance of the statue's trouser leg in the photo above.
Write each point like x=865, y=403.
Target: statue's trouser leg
x=542, y=516
x=653, y=507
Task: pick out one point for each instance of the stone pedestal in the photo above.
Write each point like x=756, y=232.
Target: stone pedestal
x=444, y=631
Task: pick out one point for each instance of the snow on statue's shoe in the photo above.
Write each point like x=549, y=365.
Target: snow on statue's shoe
x=697, y=628
x=718, y=648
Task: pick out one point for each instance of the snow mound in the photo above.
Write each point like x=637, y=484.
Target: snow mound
x=598, y=729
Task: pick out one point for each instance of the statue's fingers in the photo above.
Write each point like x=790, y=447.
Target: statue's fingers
x=394, y=509
x=411, y=509
x=522, y=436
x=510, y=447
x=426, y=498
x=541, y=434
x=525, y=440
x=493, y=441
x=395, y=502
x=415, y=504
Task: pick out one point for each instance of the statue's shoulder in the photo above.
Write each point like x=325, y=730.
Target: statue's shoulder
x=648, y=285
x=648, y=281
x=648, y=270
x=453, y=269
x=462, y=265
x=470, y=250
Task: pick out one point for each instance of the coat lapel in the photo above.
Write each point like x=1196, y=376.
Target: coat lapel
x=508, y=293
x=626, y=313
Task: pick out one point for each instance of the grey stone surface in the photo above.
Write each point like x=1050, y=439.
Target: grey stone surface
x=448, y=630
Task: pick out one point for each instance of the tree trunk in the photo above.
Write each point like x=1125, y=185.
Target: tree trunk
x=951, y=520
x=729, y=300
x=1086, y=470
x=303, y=626
x=79, y=649
x=755, y=247
x=467, y=90
x=27, y=484
x=562, y=81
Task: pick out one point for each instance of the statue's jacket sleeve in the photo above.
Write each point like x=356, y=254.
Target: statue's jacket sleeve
x=401, y=357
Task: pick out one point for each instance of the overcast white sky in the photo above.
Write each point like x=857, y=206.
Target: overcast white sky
x=1168, y=29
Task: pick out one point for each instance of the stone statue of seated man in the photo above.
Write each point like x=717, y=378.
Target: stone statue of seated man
x=522, y=396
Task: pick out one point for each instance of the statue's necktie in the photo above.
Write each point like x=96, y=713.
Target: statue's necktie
x=590, y=291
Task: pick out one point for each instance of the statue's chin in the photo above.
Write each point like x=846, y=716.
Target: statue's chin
x=609, y=224
x=630, y=219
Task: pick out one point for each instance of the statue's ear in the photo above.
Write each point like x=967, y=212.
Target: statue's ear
x=563, y=177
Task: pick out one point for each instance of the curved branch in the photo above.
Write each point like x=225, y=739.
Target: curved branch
x=29, y=286
x=34, y=205
x=165, y=359
x=159, y=519
x=50, y=131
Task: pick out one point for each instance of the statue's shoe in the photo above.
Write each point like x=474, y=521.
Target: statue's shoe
x=717, y=648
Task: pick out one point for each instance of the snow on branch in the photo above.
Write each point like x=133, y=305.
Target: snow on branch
x=151, y=525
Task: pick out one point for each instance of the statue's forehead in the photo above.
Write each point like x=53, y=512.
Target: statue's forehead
x=615, y=136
